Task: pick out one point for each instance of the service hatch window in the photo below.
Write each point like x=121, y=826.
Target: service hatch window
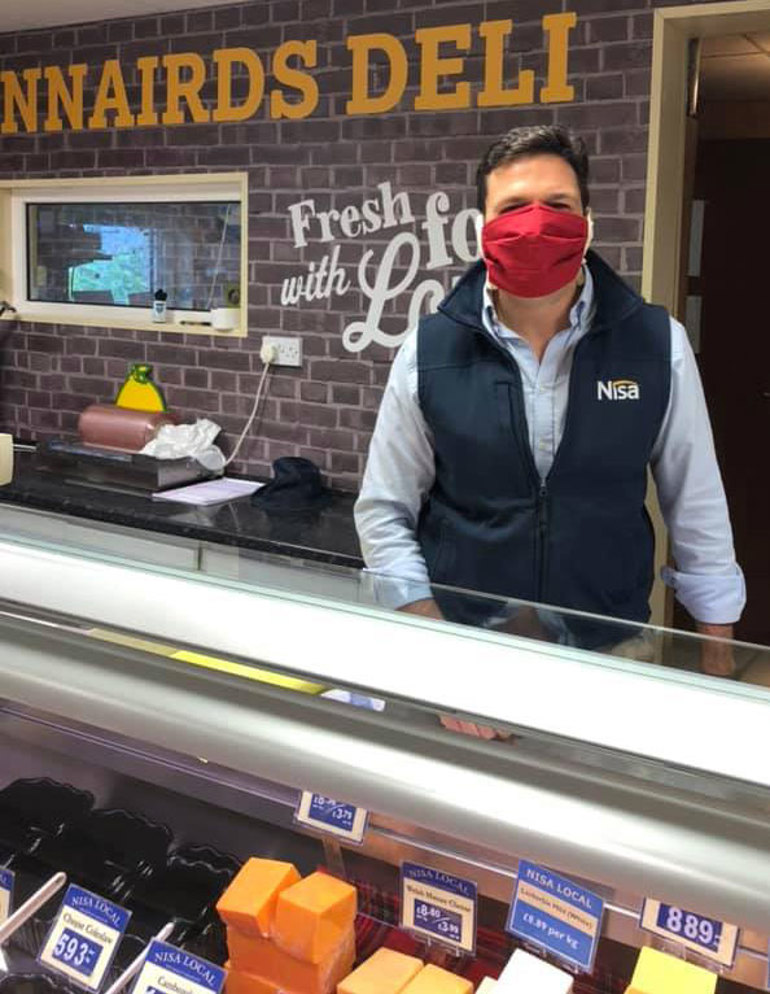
x=121, y=254
x=144, y=252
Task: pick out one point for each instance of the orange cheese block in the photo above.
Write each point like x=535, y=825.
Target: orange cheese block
x=385, y=972
x=249, y=902
x=246, y=983
x=434, y=980
x=312, y=916
x=249, y=954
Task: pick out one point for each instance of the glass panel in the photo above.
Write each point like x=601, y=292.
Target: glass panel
x=740, y=666
x=120, y=254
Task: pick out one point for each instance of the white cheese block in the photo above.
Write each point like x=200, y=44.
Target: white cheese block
x=527, y=974
x=487, y=986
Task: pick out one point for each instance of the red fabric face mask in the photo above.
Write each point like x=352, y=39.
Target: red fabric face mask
x=534, y=250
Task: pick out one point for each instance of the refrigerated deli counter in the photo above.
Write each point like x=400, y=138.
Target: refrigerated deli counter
x=172, y=713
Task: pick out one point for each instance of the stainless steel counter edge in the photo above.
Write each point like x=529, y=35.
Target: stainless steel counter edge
x=585, y=823
x=569, y=693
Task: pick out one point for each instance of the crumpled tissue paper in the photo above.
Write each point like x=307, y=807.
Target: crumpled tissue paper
x=195, y=440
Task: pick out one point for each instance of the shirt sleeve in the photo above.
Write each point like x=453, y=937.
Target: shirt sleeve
x=399, y=474
x=707, y=580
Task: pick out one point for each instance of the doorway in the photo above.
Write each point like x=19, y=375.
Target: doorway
x=706, y=246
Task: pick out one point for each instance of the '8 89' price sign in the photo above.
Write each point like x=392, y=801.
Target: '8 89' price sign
x=711, y=938
x=84, y=937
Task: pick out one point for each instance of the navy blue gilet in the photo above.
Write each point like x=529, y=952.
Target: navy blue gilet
x=581, y=538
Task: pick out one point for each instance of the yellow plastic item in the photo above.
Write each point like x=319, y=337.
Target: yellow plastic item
x=248, y=672
x=140, y=392
x=659, y=973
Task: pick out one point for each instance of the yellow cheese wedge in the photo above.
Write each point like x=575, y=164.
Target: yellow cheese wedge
x=433, y=980
x=313, y=916
x=659, y=973
x=248, y=672
x=385, y=972
x=249, y=902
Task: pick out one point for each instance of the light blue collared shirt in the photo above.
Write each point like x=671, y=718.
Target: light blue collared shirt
x=400, y=470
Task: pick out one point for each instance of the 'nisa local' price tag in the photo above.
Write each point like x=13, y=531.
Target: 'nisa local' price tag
x=713, y=939
x=169, y=970
x=557, y=915
x=438, y=906
x=84, y=937
x=6, y=893
x=325, y=814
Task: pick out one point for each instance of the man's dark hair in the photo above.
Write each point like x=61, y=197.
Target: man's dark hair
x=542, y=139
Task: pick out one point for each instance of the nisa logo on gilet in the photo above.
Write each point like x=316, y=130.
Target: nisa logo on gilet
x=617, y=390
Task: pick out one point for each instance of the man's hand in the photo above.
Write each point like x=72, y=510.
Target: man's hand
x=716, y=658
x=426, y=608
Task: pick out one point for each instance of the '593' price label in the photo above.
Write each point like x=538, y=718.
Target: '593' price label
x=84, y=937
x=325, y=814
x=711, y=938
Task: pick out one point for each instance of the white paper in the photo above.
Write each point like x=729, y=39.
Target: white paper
x=210, y=492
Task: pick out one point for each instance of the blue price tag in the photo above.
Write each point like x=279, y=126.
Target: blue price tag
x=445, y=924
x=557, y=915
x=6, y=893
x=331, y=812
x=708, y=936
x=167, y=968
x=438, y=906
x=704, y=932
x=326, y=814
x=78, y=952
x=84, y=937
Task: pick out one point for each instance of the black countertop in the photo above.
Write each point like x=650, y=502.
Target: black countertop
x=327, y=535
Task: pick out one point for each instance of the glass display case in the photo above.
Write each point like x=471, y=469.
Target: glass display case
x=164, y=703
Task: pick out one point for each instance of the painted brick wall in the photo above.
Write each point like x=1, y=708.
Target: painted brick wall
x=327, y=409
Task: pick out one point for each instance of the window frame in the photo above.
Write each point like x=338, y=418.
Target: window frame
x=16, y=195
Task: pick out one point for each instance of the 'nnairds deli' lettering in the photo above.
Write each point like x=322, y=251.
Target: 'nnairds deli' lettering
x=171, y=89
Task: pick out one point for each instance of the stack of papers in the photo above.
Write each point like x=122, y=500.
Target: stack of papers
x=212, y=492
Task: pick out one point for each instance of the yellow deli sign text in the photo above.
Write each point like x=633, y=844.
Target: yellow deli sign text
x=50, y=98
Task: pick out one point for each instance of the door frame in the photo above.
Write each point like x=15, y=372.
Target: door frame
x=673, y=30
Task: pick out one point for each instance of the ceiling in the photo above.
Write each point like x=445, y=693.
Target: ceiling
x=736, y=67
x=20, y=16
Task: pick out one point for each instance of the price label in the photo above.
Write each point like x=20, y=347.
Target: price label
x=84, y=937
x=711, y=938
x=439, y=906
x=557, y=915
x=6, y=893
x=167, y=968
x=325, y=814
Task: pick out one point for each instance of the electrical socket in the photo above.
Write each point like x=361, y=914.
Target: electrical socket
x=289, y=349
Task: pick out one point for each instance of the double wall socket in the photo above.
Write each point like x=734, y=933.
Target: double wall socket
x=289, y=349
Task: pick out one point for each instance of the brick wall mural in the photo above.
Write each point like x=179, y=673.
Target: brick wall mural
x=361, y=169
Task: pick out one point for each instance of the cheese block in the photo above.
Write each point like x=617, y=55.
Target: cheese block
x=487, y=986
x=249, y=902
x=527, y=974
x=255, y=955
x=385, y=972
x=245, y=983
x=433, y=980
x=313, y=916
x=659, y=973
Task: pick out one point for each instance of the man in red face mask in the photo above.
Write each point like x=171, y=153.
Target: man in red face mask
x=513, y=442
